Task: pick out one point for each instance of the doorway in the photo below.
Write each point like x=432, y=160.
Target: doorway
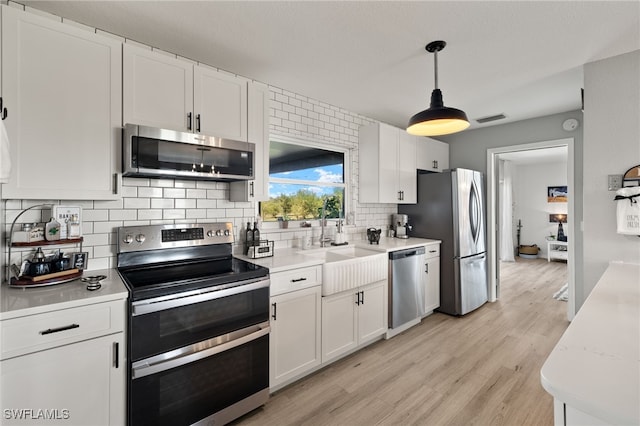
x=494, y=157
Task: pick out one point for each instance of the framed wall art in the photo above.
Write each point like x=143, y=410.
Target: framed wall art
x=556, y=194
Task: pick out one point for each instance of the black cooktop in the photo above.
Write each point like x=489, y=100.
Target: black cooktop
x=155, y=280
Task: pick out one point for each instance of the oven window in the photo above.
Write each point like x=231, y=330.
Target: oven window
x=158, y=332
x=189, y=393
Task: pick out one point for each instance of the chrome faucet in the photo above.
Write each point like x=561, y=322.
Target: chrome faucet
x=323, y=240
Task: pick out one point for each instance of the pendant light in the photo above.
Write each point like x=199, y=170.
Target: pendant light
x=438, y=119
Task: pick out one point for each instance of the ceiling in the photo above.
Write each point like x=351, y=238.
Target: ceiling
x=520, y=59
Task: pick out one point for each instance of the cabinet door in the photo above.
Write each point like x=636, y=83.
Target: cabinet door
x=339, y=324
x=432, y=288
x=220, y=104
x=258, y=133
x=63, y=88
x=372, y=312
x=80, y=384
x=295, y=334
x=431, y=155
x=158, y=89
x=407, y=173
x=389, y=189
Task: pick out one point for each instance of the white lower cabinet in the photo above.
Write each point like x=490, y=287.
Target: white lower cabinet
x=432, y=283
x=294, y=342
x=295, y=335
x=353, y=318
x=77, y=384
x=64, y=367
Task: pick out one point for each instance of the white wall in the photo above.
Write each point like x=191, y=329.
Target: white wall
x=611, y=146
x=530, y=197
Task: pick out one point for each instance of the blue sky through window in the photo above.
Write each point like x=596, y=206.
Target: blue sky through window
x=327, y=174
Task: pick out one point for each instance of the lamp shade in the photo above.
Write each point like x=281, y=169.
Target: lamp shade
x=437, y=119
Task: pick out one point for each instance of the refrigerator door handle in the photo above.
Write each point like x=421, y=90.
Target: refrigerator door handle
x=474, y=212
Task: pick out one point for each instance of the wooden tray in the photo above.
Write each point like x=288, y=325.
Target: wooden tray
x=45, y=280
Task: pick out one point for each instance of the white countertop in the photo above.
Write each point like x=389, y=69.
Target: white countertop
x=18, y=302
x=394, y=244
x=595, y=367
x=291, y=258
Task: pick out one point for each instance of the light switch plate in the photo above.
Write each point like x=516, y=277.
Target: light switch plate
x=615, y=182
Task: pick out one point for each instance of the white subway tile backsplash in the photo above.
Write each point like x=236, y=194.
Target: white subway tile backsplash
x=185, y=184
x=162, y=203
x=162, y=183
x=123, y=215
x=150, y=214
x=105, y=227
x=129, y=191
x=137, y=203
x=173, y=214
x=204, y=203
x=185, y=203
x=174, y=193
x=114, y=204
x=195, y=213
x=197, y=193
x=150, y=192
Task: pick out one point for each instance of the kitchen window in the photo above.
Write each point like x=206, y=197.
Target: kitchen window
x=301, y=176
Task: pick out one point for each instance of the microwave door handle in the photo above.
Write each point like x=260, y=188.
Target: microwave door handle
x=195, y=352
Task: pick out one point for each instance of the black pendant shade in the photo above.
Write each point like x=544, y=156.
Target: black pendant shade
x=437, y=119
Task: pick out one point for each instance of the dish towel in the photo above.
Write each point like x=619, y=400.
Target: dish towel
x=628, y=210
x=5, y=155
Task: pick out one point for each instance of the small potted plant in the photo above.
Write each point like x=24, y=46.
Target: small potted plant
x=283, y=221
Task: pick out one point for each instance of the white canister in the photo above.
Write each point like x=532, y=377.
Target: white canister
x=305, y=242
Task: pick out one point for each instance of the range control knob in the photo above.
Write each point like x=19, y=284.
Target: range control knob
x=218, y=233
x=128, y=239
x=209, y=233
x=140, y=238
x=226, y=233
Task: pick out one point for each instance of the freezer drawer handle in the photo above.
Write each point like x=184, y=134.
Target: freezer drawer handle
x=198, y=351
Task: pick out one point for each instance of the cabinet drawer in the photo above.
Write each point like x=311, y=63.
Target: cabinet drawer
x=295, y=279
x=432, y=250
x=34, y=333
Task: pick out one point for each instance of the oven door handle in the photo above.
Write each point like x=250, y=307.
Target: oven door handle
x=198, y=351
x=167, y=302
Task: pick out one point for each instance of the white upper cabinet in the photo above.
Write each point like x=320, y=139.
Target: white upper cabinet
x=387, y=169
x=158, y=89
x=220, y=104
x=432, y=155
x=62, y=86
x=163, y=91
x=257, y=133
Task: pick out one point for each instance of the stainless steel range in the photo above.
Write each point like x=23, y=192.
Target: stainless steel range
x=198, y=327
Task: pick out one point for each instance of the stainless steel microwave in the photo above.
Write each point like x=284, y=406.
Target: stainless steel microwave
x=152, y=152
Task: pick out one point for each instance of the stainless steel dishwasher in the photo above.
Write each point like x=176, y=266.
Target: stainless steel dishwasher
x=406, y=286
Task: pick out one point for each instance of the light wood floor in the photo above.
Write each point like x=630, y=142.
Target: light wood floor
x=481, y=369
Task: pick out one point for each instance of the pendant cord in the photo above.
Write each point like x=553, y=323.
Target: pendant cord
x=435, y=66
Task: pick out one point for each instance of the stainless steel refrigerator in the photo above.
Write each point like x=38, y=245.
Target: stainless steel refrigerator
x=451, y=208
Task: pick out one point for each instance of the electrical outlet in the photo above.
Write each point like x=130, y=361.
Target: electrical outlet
x=615, y=182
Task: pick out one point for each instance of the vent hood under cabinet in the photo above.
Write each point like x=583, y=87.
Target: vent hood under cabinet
x=163, y=153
